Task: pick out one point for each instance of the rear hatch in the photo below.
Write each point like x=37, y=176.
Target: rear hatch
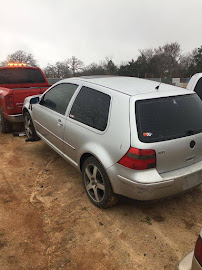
x=172, y=127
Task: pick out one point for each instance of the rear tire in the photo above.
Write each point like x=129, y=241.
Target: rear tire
x=97, y=184
x=29, y=128
x=5, y=125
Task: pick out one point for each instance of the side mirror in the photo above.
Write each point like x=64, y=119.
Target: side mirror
x=34, y=100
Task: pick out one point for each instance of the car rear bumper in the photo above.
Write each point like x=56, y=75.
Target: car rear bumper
x=150, y=185
x=15, y=118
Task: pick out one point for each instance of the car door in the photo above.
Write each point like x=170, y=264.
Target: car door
x=49, y=114
x=88, y=117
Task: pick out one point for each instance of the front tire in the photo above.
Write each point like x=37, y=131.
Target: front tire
x=5, y=125
x=97, y=184
x=29, y=128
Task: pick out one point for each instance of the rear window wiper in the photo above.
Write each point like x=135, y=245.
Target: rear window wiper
x=192, y=132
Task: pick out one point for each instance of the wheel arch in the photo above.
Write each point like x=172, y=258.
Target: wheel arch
x=83, y=159
x=24, y=111
x=86, y=155
x=96, y=150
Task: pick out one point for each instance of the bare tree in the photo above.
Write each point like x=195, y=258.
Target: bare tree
x=147, y=53
x=49, y=71
x=167, y=58
x=93, y=69
x=75, y=65
x=21, y=56
x=109, y=66
x=59, y=70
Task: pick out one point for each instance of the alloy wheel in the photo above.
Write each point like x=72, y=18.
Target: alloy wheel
x=28, y=127
x=94, y=183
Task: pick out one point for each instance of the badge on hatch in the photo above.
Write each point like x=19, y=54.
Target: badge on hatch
x=192, y=144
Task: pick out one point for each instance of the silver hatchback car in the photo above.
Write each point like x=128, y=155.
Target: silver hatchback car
x=127, y=136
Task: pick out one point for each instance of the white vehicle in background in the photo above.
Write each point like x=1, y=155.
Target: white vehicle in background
x=195, y=84
x=193, y=260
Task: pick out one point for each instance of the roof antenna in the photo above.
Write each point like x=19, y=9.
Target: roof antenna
x=157, y=87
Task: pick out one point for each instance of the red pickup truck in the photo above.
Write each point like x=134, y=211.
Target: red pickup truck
x=16, y=83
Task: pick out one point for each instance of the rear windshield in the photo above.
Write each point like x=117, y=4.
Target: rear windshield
x=168, y=118
x=21, y=75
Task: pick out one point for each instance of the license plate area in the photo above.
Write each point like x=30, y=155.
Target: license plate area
x=192, y=180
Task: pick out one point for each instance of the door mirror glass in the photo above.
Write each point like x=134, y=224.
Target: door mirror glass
x=34, y=100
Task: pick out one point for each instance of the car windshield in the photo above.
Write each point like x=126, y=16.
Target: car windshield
x=168, y=118
x=21, y=75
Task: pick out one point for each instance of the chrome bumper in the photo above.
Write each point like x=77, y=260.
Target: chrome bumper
x=15, y=118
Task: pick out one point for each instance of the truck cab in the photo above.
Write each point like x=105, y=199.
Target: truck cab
x=18, y=81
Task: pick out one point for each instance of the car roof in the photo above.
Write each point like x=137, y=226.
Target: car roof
x=129, y=85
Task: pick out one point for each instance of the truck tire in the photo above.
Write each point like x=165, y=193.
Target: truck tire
x=29, y=128
x=5, y=125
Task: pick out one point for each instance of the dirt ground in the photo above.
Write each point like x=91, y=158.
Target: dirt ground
x=47, y=221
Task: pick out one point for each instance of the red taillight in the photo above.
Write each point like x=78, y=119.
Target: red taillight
x=138, y=159
x=9, y=102
x=198, y=250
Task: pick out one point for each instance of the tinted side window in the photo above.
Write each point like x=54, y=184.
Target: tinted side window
x=59, y=97
x=91, y=107
x=198, y=88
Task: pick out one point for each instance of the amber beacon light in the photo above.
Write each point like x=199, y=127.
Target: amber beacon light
x=17, y=64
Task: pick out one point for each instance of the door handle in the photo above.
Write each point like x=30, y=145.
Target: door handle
x=59, y=123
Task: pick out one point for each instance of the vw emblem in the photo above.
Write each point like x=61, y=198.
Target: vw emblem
x=192, y=144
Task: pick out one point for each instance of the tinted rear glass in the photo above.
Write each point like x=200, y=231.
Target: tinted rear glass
x=168, y=118
x=21, y=75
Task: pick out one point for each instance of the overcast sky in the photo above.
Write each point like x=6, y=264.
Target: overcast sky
x=54, y=30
